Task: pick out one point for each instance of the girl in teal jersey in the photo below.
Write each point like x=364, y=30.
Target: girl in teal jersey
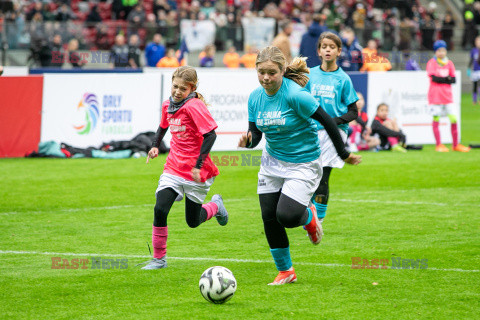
x=291, y=169
x=333, y=88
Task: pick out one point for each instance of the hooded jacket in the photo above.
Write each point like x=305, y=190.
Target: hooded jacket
x=308, y=46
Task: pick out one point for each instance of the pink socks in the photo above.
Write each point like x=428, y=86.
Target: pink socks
x=159, y=241
x=454, y=129
x=436, y=132
x=393, y=141
x=211, y=209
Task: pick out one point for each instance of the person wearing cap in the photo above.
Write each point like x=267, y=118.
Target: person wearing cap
x=441, y=72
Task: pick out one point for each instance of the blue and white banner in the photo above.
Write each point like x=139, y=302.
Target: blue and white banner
x=258, y=32
x=197, y=34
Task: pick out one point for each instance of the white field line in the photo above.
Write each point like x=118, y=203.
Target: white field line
x=441, y=204
x=99, y=208
x=197, y=259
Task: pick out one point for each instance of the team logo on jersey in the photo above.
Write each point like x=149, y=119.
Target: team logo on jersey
x=88, y=114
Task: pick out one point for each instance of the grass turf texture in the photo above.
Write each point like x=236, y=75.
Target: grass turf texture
x=419, y=205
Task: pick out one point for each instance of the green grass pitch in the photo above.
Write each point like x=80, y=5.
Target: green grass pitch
x=419, y=205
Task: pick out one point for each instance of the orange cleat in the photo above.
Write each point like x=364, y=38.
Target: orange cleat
x=314, y=228
x=461, y=148
x=284, y=277
x=441, y=148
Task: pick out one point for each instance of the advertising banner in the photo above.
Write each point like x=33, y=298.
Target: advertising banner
x=405, y=92
x=90, y=109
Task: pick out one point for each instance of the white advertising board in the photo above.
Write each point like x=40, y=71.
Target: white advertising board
x=85, y=110
x=226, y=92
x=405, y=92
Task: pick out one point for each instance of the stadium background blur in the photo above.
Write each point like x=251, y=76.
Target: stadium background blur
x=28, y=28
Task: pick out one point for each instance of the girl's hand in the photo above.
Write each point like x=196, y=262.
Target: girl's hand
x=245, y=139
x=354, y=159
x=196, y=175
x=152, y=154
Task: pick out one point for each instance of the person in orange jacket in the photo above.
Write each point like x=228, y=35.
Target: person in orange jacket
x=372, y=60
x=249, y=59
x=231, y=59
x=169, y=61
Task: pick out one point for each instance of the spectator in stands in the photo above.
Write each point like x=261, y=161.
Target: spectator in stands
x=48, y=15
x=231, y=59
x=118, y=10
x=248, y=59
x=406, y=34
x=37, y=8
x=351, y=56
x=134, y=52
x=169, y=61
x=446, y=33
x=389, y=25
x=57, y=52
x=119, y=53
x=207, y=9
x=73, y=57
x=208, y=60
x=388, y=131
x=101, y=39
x=361, y=138
x=135, y=18
x=282, y=40
x=64, y=14
x=359, y=16
x=470, y=32
x=308, y=45
x=427, y=28
x=154, y=51
x=372, y=60
x=161, y=5
x=94, y=15
x=128, y=5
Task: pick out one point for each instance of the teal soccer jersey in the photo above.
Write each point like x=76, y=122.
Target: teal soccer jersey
x=333, y=90
x=285, y=119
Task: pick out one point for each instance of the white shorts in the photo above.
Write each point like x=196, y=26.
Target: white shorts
x=475, y=76
x=296, y=180
x=195, y=191
x=441, y=110
x=329, y=155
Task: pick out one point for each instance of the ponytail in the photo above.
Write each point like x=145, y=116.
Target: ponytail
x=297, y=71
x=199, y=96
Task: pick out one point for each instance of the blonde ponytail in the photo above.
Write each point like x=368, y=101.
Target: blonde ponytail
x=189, y=75
x=297, y=71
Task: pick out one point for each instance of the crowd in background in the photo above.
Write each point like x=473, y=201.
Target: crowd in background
x=96, y=24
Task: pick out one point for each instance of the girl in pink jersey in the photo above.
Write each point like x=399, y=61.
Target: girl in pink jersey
x=189, y=169
x=441, y=72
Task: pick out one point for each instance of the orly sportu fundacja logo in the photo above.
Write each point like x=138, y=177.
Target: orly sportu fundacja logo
x=87, y=110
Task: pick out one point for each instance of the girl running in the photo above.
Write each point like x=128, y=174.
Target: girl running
x=441, y=72
x=189, y=169
x=291, y=167
x=333, y=89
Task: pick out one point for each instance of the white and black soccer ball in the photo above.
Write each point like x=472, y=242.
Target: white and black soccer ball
x=217, y=284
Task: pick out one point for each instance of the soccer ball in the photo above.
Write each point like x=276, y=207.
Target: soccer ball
x=217, y=284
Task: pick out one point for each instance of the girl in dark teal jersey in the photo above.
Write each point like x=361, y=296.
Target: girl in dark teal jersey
x=291, y=168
